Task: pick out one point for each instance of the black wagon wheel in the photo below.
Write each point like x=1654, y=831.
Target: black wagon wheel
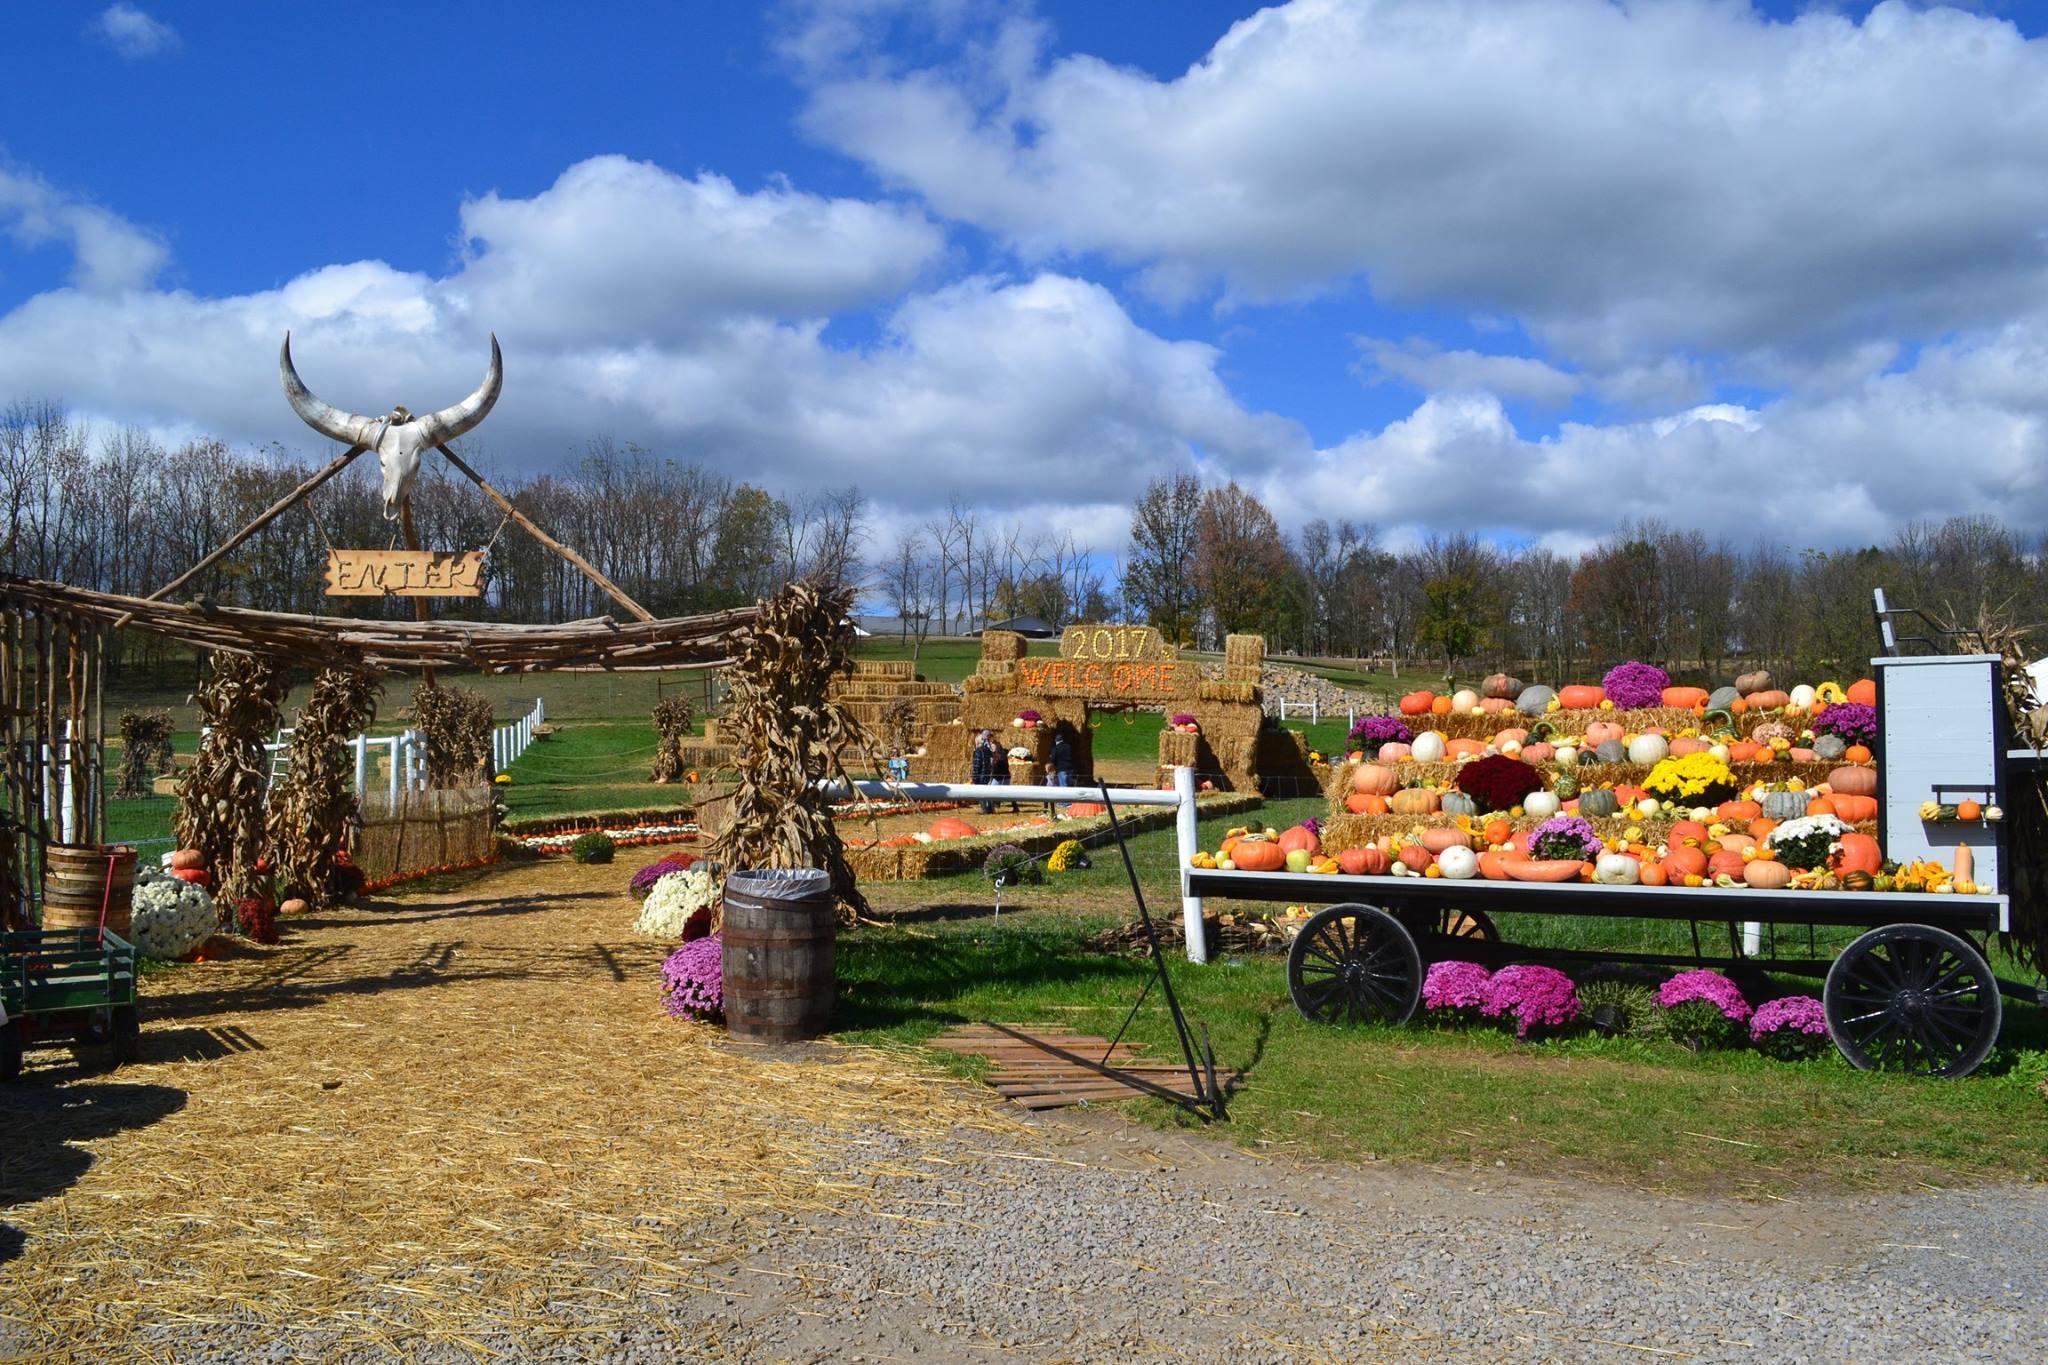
x=1354, y=964
x=1912, y=998
x=1475, y=925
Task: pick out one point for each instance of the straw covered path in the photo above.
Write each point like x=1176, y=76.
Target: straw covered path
x=458, y=1126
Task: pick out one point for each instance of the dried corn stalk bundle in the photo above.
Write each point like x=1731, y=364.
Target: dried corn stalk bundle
x=788, y=733
x=145, y=750
x=899, y=723
x=220, y=802
x=672, y=716
x=456, y=724
x=314, y=808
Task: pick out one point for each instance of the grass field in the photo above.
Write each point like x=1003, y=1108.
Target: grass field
x=1641, y=1112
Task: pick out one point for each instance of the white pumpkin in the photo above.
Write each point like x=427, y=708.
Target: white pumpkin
x=1429, y=747
x=1511, y=749
x=1465, y=699
x=1616, y=869
x=1719, y=751
x=1540, y=805
x=1567, y=756
x=1458, y=863
x=1802, y=695
x=1648, y=806
x=1648, y=749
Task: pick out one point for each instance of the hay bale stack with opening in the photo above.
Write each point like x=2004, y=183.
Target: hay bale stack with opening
x=313, y=808
x=220, y=801
x=788, y=734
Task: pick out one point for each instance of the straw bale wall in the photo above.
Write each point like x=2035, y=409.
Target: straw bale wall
x=423, y=829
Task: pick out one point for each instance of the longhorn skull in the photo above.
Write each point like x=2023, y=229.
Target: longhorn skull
x=399, y=438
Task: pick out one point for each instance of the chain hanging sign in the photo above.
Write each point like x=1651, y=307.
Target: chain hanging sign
x=404, y=573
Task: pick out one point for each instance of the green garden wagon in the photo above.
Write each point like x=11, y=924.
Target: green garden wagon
x=66, y=986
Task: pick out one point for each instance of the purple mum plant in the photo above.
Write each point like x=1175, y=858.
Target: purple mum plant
x=1703, y=1009
x=1181, y=718
x=1455, y=986
x=644, y=880
x=1029, y=716
x=1792, y=1028
x=1852, y=722
x=693, y=979
x=1564, y=836
x=1635, y=686
x=1537, y=997
x=1372, y=731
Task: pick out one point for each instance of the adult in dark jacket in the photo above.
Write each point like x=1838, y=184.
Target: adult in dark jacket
x=1062, y=755
x=990, y=766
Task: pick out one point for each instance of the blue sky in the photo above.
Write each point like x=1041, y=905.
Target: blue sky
x=1366, y=256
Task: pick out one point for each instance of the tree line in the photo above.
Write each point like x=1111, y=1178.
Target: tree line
x=1205, y=562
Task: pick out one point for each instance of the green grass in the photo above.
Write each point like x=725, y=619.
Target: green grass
x=587, y=766
x=1645, y=1113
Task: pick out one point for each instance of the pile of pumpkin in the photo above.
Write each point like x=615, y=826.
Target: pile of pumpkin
x=256, y=915
x=1299, y=849
x=1636, y=686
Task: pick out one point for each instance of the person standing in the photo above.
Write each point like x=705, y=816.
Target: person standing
x=1063, y=755
x=988, y=767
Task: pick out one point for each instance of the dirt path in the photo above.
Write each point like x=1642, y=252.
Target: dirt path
x=460, y=1126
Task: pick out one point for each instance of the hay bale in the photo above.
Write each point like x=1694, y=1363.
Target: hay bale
x=1244, y=657
x=1178, y=750
x=989, y=683
x=1210, y=689
x=1001, y=645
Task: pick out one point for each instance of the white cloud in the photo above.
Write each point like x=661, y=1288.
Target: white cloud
x=134, y=34
x=1627, y=181
x=108, y=252
x=1420, y=362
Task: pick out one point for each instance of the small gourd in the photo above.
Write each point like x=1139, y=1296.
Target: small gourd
x=1829, y=748
x=1566, y=755
x=1458, y=862
x=1648, y=749
x=1598, y=803
x=1566, y=787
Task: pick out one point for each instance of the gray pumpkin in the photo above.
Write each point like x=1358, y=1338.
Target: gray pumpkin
x=1535, y=700
x=1721, y=698
x=1829, y=748
x=1458, y=803
x=1613, y=751
x=1785, y=805
x=1598, y=803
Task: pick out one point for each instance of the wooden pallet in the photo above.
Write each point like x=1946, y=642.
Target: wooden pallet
x=1034, y=1077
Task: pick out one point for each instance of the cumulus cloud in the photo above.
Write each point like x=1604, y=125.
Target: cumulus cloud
x=134, y=34
x=1422, y=363
x=108, y=253
x=1628, y=181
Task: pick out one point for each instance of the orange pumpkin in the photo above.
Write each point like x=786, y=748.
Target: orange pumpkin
x=1600, y=731
x=1581, y=697
x=1361, y=803
x=1853, y=780
x=1440, y=707
x=1301, y=836
x=1653, y=874
x=1443, y=837
x=1863, y=691
x=1362, y=862
x=1822, y=805
x=1735, y=812
x=1688, y=744
x=1969, y=810
x=1492, y=866
x=1744, y=751
x=1415, y=857
x=1414, y=801
x=198, y=876
x=1686, y=860
x=1685, y=698
x=1493, y=706
x=1417, y=703
x=1375, y=779
x=1726, y=863
x=1261, y=855
x=1804, y=756
x=1762, y=826
x=1858, y=853
x=1736, y=840
x=187, y=858
x=951, y=827
x=1854, y=809
x=1771, y=700
x=1857, y=753
x=1541, y=751
x=1459, y=747
x=1514, y=734
x=1738, y=706
x=1687, y=830
x=1394, y=751
x=1499, y=831
x=1767, y=874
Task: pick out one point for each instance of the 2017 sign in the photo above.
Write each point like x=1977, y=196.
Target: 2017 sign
x=404, y=573
x=1116, y=644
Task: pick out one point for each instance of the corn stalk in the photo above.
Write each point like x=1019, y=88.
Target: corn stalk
x=456, y=723
x=672, y=717
x=313, y=808
x=220, y=801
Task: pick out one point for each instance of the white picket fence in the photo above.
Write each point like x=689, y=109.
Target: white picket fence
x=508, y=742
x=1181, y=796
x=405, y=753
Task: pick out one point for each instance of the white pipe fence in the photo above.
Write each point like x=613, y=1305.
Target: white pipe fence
x=1187, y=840
x=405, y=753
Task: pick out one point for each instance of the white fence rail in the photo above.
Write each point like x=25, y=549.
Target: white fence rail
x=509, y=741
x=1187, y=840
x=405, y=753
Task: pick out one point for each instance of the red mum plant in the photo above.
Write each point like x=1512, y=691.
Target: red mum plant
x=1499, y=782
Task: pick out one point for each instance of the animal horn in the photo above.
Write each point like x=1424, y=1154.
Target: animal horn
x=439, y=428
x=328, y=421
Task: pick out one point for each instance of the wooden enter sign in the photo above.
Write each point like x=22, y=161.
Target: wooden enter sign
x=404, y=573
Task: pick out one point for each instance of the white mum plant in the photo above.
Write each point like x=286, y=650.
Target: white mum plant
x=673, y=900
x=171, y=917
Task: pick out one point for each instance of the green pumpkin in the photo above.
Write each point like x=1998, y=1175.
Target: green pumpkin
x=1458, y=803
x=1786, y=805
x=1566, y=787
x=1598, y=803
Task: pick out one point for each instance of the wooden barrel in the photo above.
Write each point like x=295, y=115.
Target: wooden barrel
x=75, y=882
x=779, y=956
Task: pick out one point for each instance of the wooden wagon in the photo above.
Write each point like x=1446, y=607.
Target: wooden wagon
x=1914, y=992
x=66, y=986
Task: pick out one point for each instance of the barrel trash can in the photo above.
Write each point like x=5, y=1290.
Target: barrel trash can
x=779, y=953
x=76, y=882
